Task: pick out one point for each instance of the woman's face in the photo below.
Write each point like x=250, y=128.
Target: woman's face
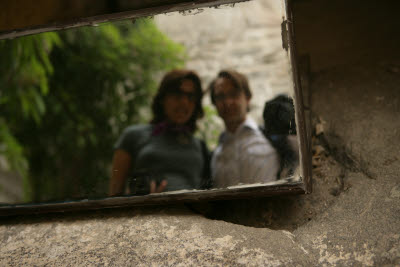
x=179, y=104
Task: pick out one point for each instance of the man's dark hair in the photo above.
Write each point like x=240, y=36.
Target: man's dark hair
x=170, y=82
x=239, y=80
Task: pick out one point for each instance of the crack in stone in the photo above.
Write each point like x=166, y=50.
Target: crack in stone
x=336, y=147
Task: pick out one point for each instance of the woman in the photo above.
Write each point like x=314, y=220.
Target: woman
x=164, y=155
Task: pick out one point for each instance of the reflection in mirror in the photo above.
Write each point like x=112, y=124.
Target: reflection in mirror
x=72, y=100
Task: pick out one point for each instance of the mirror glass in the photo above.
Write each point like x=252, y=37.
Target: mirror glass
x=114, y=109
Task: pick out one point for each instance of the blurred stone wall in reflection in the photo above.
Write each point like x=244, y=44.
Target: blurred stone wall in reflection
x=11, y=189
x=246, y=37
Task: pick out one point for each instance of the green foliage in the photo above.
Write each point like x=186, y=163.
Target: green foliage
x=210, y=127
x=24, y=71
x=66, y=98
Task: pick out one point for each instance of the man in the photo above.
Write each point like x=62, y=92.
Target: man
x=243, y=155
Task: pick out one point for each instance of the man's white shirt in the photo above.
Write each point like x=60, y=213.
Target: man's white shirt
x=244, y=156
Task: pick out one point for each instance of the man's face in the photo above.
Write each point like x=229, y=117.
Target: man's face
x=231, y=103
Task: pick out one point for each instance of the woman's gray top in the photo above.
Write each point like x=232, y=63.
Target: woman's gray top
x=174, y=156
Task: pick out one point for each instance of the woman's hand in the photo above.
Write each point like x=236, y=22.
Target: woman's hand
x=160, y=188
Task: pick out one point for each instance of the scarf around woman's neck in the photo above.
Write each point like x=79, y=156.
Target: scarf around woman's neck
x=167, y=127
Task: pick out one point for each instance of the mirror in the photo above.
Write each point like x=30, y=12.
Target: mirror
x=78, y=98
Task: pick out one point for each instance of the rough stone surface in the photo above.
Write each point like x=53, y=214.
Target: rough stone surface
x=168, y=237
x=362, y=226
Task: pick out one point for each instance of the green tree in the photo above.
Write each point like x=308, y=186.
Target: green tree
x=24, y=71
x=92, y=83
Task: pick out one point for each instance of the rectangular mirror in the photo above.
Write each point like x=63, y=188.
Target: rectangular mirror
x=202, y=103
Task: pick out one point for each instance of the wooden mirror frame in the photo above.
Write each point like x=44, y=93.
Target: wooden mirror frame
x=56, y=19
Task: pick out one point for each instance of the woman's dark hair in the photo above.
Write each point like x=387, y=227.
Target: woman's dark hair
x=170, y=82
x=239, y=81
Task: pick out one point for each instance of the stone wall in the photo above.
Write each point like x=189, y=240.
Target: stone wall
x=11, y=186
x=245, y=37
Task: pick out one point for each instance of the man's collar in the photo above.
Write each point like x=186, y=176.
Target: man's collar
x=248, y=123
